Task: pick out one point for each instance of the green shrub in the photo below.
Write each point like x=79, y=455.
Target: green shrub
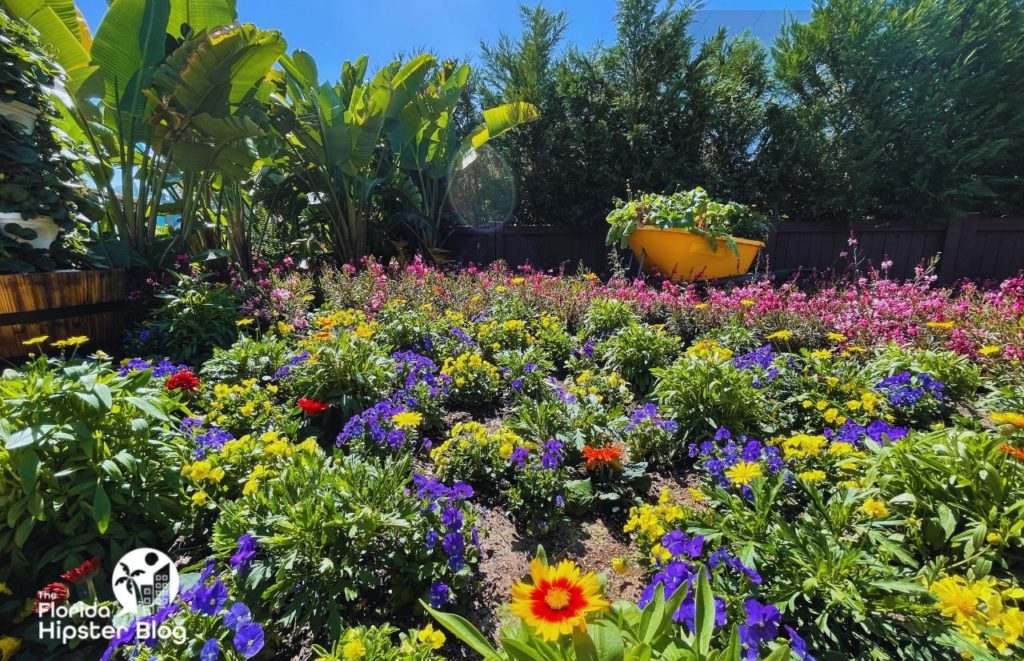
x=348, y=540
x=635, y=350
x=607, y=315
x=248, y=358
x=83, y=469
x=703, y=391
x=958, y=374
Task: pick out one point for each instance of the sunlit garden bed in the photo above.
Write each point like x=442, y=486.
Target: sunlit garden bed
x=828, y=471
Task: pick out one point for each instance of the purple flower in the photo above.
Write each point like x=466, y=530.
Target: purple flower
x=249, y=639
x=245, y=552
x=440, y=595
x=210, y=651
x=237, y=615
x=722, y=434
x=455, y=546
x=451, y=517
x=798, y=645
x=431, y=539
x=209, y=600
x=552, y=456
x=518, y=456
x=762, y=625
x=679, y=543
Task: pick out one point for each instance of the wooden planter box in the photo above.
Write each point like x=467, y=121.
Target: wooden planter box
x=61, y=304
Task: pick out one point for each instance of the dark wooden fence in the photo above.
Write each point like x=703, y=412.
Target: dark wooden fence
x=971, y=247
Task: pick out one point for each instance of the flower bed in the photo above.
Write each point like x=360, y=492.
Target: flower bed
x=781, y=472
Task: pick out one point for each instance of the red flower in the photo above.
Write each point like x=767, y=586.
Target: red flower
x=83, y=571
x=609, y=455
x=53, y=594
x=1017, y=453
x=183, y=380
x=312, y=407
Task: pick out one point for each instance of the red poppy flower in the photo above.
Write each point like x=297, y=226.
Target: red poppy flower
x=183, y=380
x=83, y=571
x=53, y=594
x=312, y=406
x=609, y=455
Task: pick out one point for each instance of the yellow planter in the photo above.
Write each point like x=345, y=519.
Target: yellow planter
x=681, y=255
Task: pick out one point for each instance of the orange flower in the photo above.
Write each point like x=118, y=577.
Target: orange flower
x=558, y=600
x=609, y=455
x=1017, y=453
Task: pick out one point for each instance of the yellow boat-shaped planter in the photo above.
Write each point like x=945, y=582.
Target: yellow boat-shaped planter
x=681, y=255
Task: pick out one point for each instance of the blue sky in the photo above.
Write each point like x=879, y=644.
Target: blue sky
x=337, y=30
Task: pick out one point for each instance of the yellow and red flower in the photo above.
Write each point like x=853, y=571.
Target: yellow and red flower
x=558, y=600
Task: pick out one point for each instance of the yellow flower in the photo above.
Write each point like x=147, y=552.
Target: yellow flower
x=518, y=280
x=75, y=341
x=781, y=335
x=874, y=508
x=245, y=322
x=1012, y=419
x=199, y=498
x=216, y=475
x=940, y=324
x=994, y=538
x=559, y=599
x=201, y=470
x=620, y=564
x=407, y=419
x=744, y=472
x=354, y=649
x=990, y=350
x=251, y=487
x=660, y=554
x=821, y=354
x=956, y=599
x=248, y=409
x=36, y=340
x=9, y=646
x=434, y=638
x=836, y=337
x=746, y=302
x=812, y=476
x=807, y=403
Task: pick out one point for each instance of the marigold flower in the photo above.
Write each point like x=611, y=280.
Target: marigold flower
x=75, y=341
x=312, y=406
x=36, y=340
x=609, y=455
x=1016, y=453
x=874, y=508
x=558, y=600
x=83, y=572
x=183, y=380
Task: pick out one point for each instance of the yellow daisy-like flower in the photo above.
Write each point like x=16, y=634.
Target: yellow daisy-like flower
x=874, y=508
x=76, y=341
x=956, y=599
x=407, y=419
x=821, y=354
x=431, y=636
x=939, y=324
x=1012, y=419
x=245, y=322
x=36, y=340
x=558, y=600
x=990, y=350
x=836, y=337
x=199, y=498
x=781, y=335
x=744, y=472
x=814, y=476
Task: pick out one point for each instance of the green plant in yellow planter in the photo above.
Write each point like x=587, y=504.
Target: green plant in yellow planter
x=665, y=231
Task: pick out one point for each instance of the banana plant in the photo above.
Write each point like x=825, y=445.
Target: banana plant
x=164, y=89
x=426, y=137
x=333, y=136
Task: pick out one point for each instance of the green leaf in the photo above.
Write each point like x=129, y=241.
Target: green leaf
x=503, y=118
x=705, y=615
x=101, y=509
x=583, y=646
x=28, y=469
x=147, y=407
x=780, y=653
x=23, y=531
x=69, y=40
x=947, y=520
x=129, y=43
x=607, y=639
x=28, y=436
x=464, y=631
x=200, y=15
